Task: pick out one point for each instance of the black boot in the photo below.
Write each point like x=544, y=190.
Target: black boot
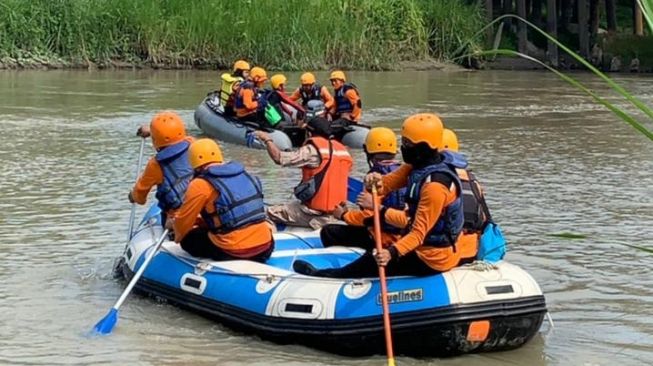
x=303, y=267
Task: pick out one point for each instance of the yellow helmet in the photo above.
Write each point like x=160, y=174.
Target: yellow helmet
x=307, y=78
x=241, y=65
x=381, y=140
x=449, y=140
x=204, y=151
x=423, y=127
x=258, y=74
x=167, y=128
x=338, y=75
x=277, y=80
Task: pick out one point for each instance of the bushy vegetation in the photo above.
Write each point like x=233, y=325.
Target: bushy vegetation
x=288, y=34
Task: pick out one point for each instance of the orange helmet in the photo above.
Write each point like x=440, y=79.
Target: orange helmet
x=423, y=127
x=258, y=74
x=167, y=128
x=449, y=140
x=307, y=78
x=204, y=151
x=241, y=65
x=381, y=140
x=277, y=80
x=338, y=75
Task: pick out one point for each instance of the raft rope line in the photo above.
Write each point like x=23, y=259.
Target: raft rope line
x=268, y=277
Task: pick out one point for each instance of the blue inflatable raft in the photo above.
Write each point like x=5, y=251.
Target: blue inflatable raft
x=468, y=309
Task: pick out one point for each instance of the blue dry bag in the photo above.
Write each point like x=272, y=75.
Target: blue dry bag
x=492, y=245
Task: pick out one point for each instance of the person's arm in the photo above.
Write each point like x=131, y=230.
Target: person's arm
x=249, y=100
x=291, y=102
x=296, y=95
x=197, y=195
x=395, y=180
x=152, y=175
x=432, y=201
x=354, y=99
x=396, y=218
x=328, y=100
x=356, y=217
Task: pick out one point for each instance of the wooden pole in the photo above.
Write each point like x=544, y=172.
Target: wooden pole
x=594, y=17
x=583, y=27
x=490, y=17
x=552, y=29
x=537, y=12
x=507, y=9
x=638, y=19
x=610, y=12
x=522, y=37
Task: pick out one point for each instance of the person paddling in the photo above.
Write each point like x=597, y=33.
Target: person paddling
x=434, y=214
x=169, y=170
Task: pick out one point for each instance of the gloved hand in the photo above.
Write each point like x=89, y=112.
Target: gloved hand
x=373, y=179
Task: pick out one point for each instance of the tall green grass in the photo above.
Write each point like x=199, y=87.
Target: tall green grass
x=288, y=34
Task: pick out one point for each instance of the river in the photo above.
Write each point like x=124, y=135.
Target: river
x=551, y=160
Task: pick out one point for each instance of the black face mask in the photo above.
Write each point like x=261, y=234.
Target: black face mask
x=409, y=155
x=420, y=155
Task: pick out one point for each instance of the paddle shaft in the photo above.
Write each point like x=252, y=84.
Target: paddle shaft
x=138, y=172
x=140, y=271
x=384, y=288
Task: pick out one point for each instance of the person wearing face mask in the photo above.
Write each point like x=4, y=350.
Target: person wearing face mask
x=380, y=149
x=433, y=219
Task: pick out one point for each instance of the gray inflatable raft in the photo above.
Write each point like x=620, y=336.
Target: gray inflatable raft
x=210, y=118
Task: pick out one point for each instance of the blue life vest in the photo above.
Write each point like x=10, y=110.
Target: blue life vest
x=239, y=99
x=240, y=199
x=394, y=200
x=314, y=94
x=177, y=174
x=342, y=103
x=455, y=159
x=446, y=230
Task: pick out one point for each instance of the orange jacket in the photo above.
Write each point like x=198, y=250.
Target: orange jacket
x=152, y=175
x=333, y=189
x=242, y=243
x=249, y=102
x=326, y=97
x=434, y=198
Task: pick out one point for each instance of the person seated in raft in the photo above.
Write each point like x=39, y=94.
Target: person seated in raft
x=230, y=83
x=277, y=98
x=230, y=202
x=475, y=209
x=348, y=105
x=168, y=170
x=433, y=218
x=311, y=90
x=249, y=106
x=325, y=165
x=380, y=149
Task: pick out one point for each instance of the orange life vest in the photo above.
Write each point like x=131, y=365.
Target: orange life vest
x=333, y=189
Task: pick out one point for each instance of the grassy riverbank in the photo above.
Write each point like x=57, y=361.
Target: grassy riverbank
x=289, y=34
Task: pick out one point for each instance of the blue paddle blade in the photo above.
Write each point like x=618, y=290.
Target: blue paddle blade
x=354, y=188
x=105, y=326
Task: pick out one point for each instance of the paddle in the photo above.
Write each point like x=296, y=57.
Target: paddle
x=354, y=188
x=138, y=172
x=384, y=288
x=105, y=326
